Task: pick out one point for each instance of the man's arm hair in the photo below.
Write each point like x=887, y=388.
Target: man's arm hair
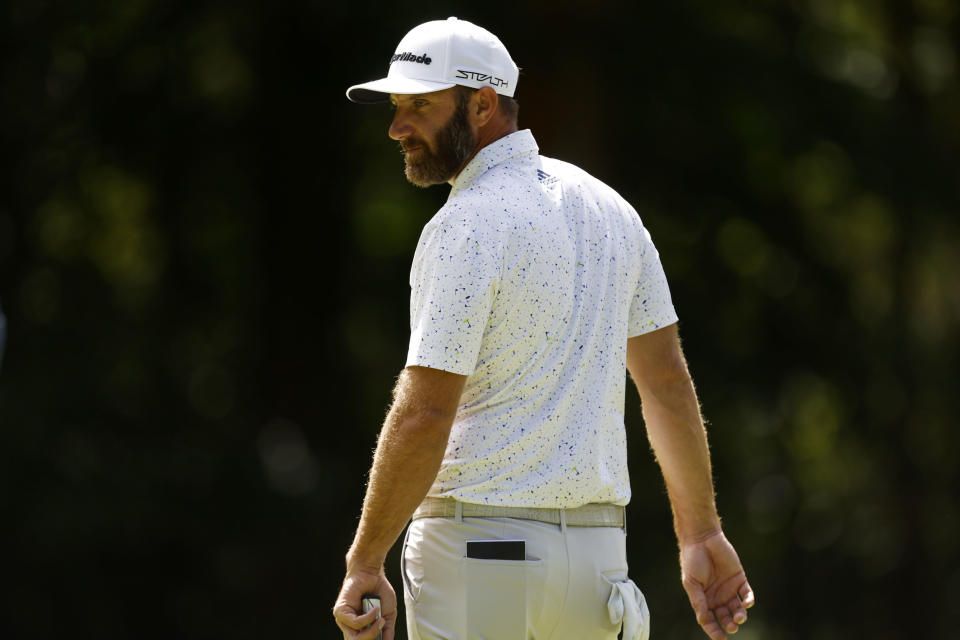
x=675, y=429
x=408, y=456
x=711, y=572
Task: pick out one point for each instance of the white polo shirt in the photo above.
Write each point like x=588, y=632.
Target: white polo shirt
x=529, y=281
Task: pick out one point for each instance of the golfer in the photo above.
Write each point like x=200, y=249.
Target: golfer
x=532, y=290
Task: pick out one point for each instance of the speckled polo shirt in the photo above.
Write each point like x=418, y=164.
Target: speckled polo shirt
x=529, y=281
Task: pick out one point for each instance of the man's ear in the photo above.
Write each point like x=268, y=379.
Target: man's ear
x=483, y=105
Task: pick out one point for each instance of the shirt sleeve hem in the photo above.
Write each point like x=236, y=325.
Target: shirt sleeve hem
x=653, y=325
x=449, y=367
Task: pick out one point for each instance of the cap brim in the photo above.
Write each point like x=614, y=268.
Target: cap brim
x=380, y=90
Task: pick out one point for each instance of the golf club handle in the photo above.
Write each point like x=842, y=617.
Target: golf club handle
x=369, y=602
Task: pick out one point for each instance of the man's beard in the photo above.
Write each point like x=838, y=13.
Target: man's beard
x=455, y=144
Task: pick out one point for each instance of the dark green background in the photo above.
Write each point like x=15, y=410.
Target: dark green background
x=203, y=259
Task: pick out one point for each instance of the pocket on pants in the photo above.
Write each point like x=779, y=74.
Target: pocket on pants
x=411, y=568
x=627, y=606
x=496, y=594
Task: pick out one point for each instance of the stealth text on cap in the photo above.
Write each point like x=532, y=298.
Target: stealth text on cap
x=482, y=77
x=406, y=56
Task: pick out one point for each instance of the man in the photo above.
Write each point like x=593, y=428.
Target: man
x=531, y=290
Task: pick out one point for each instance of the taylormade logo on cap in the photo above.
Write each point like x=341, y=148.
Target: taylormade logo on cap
x=454, y=52
x=424, y=59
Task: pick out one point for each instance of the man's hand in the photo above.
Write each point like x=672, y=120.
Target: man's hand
x=357, y=625
x=716, y=584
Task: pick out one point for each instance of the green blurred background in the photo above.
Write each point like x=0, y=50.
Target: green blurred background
x=203, y=261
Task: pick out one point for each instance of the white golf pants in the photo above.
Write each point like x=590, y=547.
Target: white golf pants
x=572, y=585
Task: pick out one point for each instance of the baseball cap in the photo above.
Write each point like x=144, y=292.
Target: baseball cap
x=439, y=54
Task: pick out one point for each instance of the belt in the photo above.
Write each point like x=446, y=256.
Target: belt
x=589, y=515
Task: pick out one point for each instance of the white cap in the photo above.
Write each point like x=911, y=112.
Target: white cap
x=440, y=54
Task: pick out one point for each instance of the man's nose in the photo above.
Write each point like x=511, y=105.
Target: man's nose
x=399, y=127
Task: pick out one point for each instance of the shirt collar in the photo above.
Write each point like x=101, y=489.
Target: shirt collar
x=515, y=145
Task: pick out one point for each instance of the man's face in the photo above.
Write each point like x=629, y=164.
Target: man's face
x=434, y=135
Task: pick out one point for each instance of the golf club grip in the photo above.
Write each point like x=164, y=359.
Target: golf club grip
x=369, y=602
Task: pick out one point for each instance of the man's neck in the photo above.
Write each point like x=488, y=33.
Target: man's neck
x=484, y=140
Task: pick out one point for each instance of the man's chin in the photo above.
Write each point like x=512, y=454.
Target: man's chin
x=419, y=178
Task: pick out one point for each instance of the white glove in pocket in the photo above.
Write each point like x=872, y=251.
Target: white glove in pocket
x=627, y=606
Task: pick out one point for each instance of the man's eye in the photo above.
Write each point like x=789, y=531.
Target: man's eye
x=420, y=103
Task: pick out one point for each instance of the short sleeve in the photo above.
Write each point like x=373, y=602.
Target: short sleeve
x=452, y=284
x=652, y=307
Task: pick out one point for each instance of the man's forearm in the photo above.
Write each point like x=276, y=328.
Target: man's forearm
x=676, y=433
x=408, y=456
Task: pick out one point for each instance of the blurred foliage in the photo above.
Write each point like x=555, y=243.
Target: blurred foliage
x=203, y=262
